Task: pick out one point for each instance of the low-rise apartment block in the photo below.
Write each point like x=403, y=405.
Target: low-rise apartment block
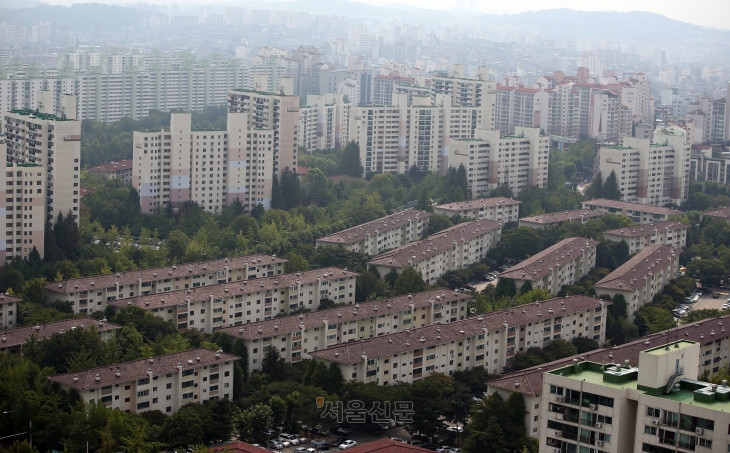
x=542, y=221
x=242, y=302
x=450, y=249
x=489, y=340
x=24, y=210
x=90, y=294
x=164, y=383
x=639, y=237
x=491, y=159
x=723, y=213
x=388, y=232
x=8, y=311
x=642, y=276
x=121, y=170
x=709, y=333
x=562, y=264
x=297, y=336
x=639, y=213
x=497, y=209
x=14, y=340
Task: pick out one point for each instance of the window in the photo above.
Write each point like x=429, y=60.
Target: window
x=188, y=372
x=187, y=384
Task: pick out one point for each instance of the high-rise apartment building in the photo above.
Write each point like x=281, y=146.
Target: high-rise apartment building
x=23, y=209
x=53, y=142
x=211, y=168
x=324, y=122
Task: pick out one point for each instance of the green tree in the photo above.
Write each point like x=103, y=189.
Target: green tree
x=519, y=243
x=369, y=286
x=350, y=163
x=278, y=406
x=526, y=287
x=316, y=183
x=708, y=271
x=409, y=281
x=183, y=428
x=595, y=189
x=424, y=202
x=438, y=222
x=253, y=421
x=699, y=315
x=334, y=379
x=277, y=195
x=559, y=349
x=240, y=349
x=307, y=378
x=584, y=344
x=610, y=190
x=295, y=262
x=505, y=288
x=652, y=318
x=319, y=376
x=273, y=364
x=492, y=435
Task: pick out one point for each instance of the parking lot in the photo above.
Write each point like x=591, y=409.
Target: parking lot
x=398, y=431
x=707, y=301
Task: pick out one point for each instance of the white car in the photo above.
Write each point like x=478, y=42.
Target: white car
x=291, y=438
x=455, y=429
x=347, y=444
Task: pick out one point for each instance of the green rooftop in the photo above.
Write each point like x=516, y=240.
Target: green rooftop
x=39, y=115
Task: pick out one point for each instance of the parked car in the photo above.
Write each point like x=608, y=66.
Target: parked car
x=291, y=438
x=418, y=443
x=275, y=444
x=337, y=429
x=715, y=295
x=455, y=429
x=398, y=439
x=305, y=450
x=337, y=442
x=348, y=444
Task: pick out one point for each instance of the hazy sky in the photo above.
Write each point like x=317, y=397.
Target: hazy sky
x=712, y=13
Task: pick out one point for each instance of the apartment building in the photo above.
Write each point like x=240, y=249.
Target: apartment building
x=165, y=383
x=489, y=340
x=573, y=258
x=659, y=406
x=384, y=86
x=386, y=233
x=650, y=172
x=704, y=167
x=497, y=209
x=324, y=122
x=451, y=249
x=213, y=168
x=247, y=301
x=639, y=213
x=547, y=220
x=642, y=276
x=464, y=91
x=297, y=336
x=492, y=159
x=8, y=311
x=90, y=294
x=529, y=382
x=14, y=340
x=673, y=234
x=519, y=106
x=278, y=116
x=24, y=209
x=53, y=142
x=723, y=213
x=121, y=170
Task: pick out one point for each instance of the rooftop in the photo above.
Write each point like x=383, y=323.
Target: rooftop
x=540, y=264
x=39, y=115
x=363, y=231
x=422, y=337
x=722, y=213
x=140, y=369
x=287, y=324
x=19, y=336
x=478, y=203
x=640, y=230
x=113, y=166
x=159, y=273
x=563, y=216
x=435, y=244
x=637, y=207
x=229, y=289
x=630, y=275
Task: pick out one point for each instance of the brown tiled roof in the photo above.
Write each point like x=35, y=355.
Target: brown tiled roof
x=113, y=166
x=630, y=275
x=408, y=340
x=286, y=324
x=159, y=273
x=563, y=216
x=173, y=298
x=20, y=335
x=540, y=264
x=237, y=447
x=640, y=230
x=723, y=213
x=139, y=369
x=386, y=446
x=478, y=203
x=390, y=222
x=530, y=379
x=631, y=206
x=433, y=245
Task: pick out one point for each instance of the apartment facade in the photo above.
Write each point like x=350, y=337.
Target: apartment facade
x=642, y=276
x=53, y=142
x=23, y=208
x=246, y=301
x=543, y=221
x=164, y=383
x=497, y=209
x=121, y=170
x=297, y=336
x=90, y=294
x=639, y=213
x=8, y=311
x=374, y=237
x=562, y=264
x=211, y=168
x=451, y=249
x=673, y=234
x=492, y=159
x=324, y=122
x=489, y=340
x=15, y=339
